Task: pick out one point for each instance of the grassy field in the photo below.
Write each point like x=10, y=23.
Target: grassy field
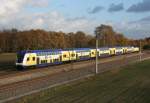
x=128, y=85
x=7, y=61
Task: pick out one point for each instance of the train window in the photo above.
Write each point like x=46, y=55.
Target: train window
x=33, y=58
x=72, y=55
x=64, y=56
x=55, y=60
x=51, y=61
x=28, y=59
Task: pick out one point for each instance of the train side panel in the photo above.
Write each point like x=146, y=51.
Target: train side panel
x=93, y=53
x=119, y=51
x=136, y=49
x=65, y=56
x=72, y=55
x=112, y=51
x=83, y=54
x=104, y=52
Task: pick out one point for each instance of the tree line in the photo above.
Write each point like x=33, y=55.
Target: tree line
x=14, y=40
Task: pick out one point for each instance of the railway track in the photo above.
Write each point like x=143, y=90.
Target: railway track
x=35, y=73
x=5, y=74
x=18, y=89
x=13, y=71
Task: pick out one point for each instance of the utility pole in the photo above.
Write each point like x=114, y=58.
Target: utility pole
x=140, y=50
x=98, y=33
x=104, y=41
x=96, y=69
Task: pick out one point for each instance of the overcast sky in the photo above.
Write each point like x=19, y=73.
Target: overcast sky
x=131, y=17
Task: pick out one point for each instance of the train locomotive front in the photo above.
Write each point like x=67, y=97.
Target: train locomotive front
x=25, y=60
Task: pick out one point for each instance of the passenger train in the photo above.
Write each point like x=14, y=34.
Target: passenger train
x=42, y=58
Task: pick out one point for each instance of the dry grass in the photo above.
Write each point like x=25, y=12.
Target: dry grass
x=7, y=61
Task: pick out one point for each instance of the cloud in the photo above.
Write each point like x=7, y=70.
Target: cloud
x=8, y=7
x=11, y=7
x=116, y=7
x=40, y=3
x=146, y=19
x=95, y=10
x=14, y=15
x=143, y=6
x=133, y=29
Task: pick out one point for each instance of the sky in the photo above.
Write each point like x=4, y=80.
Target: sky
x=130, y=17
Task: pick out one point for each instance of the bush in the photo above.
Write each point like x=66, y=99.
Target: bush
x=146, y=47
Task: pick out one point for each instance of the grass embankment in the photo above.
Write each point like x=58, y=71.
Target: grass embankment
x=7, y=61
x=128, y=85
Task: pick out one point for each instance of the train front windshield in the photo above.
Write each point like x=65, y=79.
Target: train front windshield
x=20, y=56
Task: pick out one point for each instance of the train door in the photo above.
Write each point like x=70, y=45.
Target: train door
x=111, y=52
x=38, y=60
x=77, y=56
x=114, y=51
x=60, y=58
x=124, y=50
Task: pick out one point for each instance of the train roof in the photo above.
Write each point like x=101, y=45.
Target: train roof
x=80, y=49
x=75, y=49
x=36, y=51
x=22, y=52
x=104, y=48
